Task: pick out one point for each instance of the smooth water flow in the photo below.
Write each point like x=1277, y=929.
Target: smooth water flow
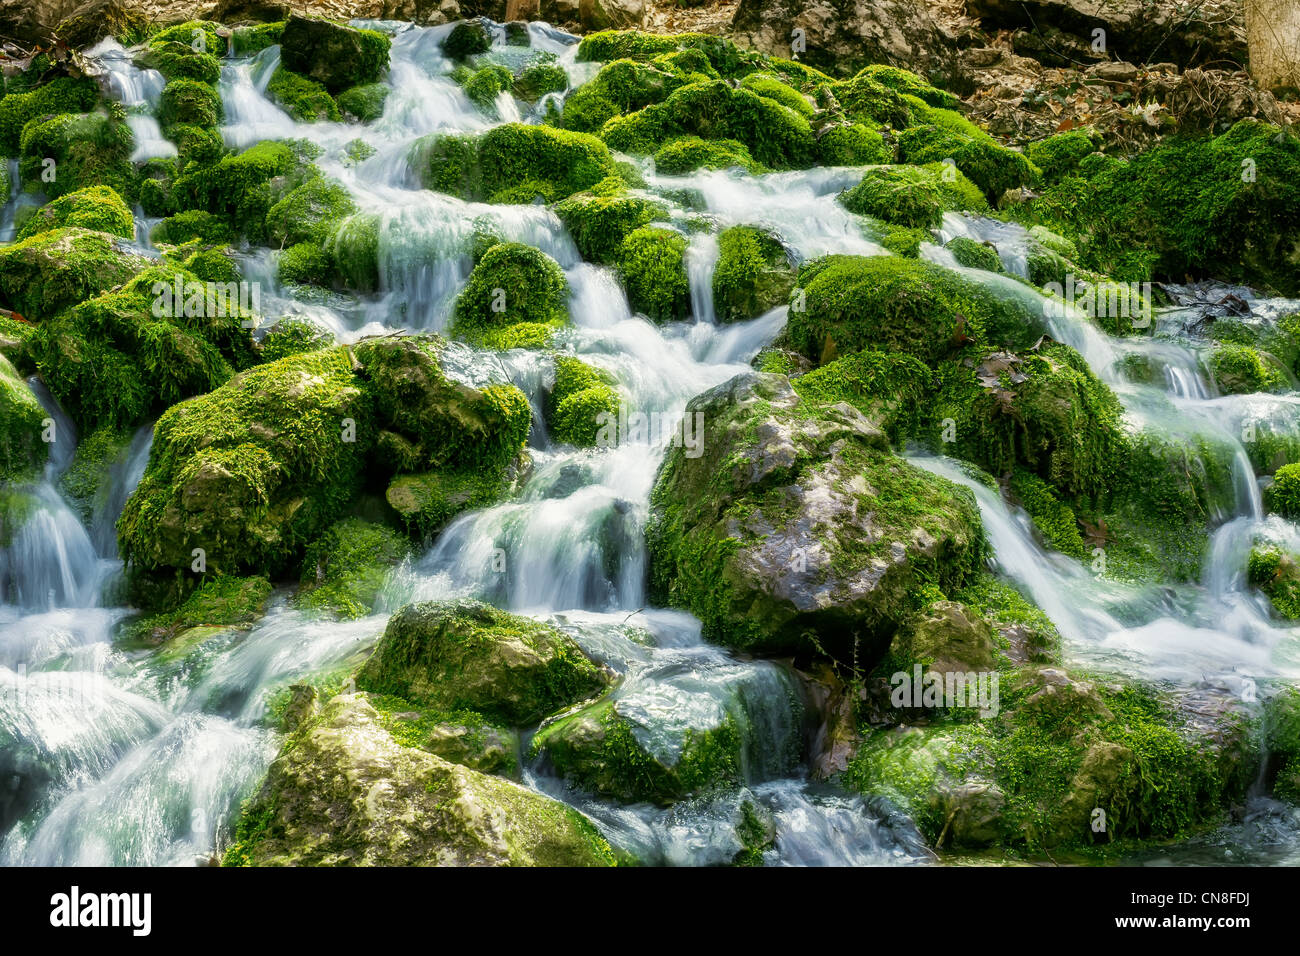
x=113, y=754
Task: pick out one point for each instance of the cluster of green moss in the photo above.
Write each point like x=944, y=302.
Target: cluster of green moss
x=45, y=273
x=599, y=219
x=22, y=450
x=1054, y=519
x=753, y=274
x=943, y=135
x=98, y=208
x=303, y=99
x=973, y=254
x=651, y=263
x=580, y=395
x=1058, y=156
x=343, y=571
x=60, y=95
x=1282, y=496
x=1239, y=369
x=1277, y=574
x=217, y=601
x=1221, y=207
x=513, y=285
x=889, y=388
x=70, y=151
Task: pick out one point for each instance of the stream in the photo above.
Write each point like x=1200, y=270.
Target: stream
x=119, y=756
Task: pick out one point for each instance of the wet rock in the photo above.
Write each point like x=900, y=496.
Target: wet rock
x=800, y=534
x=343, y=792
x=332, y=54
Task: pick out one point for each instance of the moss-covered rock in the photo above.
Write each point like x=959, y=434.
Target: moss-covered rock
x=888, y=303
x=116, y=358
x=904, y=195
x=467, y=38
x=944, y=135
x=538, y=79
x=577, y=401
x=343, y=791
x=343, y=571
x=753, y=275
x=44, y=274
x=651, y=263
x=485, y=85
x=180, y=61
x=97, y=208
x=334, y=55
x=689, y=153
x=890, y=389
x=1277, y=574
x=1058, y=156
x=189, y=103
x=974, y=255
x=219, y=601
x=61, y=95
x=22, y=449
x=302, y=98
x=366, y=102
x=1282, y=496
x=512, y=285
x=191, y=224
x=796, y=530
x=1239, y=369
x=74, y=151
x=470, y=656
x=852, y=144
x=599, y=223
x=294, y=337
x=238, y=187
x=309, y=213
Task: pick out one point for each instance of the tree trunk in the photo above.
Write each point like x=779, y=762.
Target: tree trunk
x=1273, y=40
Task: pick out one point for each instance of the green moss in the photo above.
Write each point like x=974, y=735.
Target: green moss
x=343, y=571
x=752, y=276
x=305, y=263
x=909, y=83
x=294, y=337
x=511, y=284
x=1058, y=156
x=944, y=135
x=1282, y=496
x=22, y=449
x=44, y=274
x=467, y=38
x=180, y=61
x=974, y=255
x=191, y=224
x=1239, y=369
x=538, y=79
x=580, y=395
x=600, y=223
x=483, y=87
x=199, y=34
x=309, y=213
x=303, y=99
x=689, y=153
x=96, y=207
x=868, y=100
x=1277, y=574
x=903, y=195
x=247, y=40
x=366, y=102
x=335, y=55
x=61, y=95
x=189, y=103
x=469, y=656
x=889, y=389
x=651, y=263
x=906, y=242
x=853, y=144
x=87, y=149
x=769, y=86
x=237, y=188
x=1053, y=518
x=354, y=252
x=198, y=145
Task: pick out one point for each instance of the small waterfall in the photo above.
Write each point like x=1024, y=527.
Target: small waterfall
x=140, y=92
x=701, y=260
x=123, y=476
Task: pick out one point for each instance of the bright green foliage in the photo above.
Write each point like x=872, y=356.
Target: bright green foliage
x=469, y=656
x=354, y=252
x=600, y=223
x=192, y=224
x=903, y=195
x=853, y=144
x=888, y=303
x=775, y=135
x=189, y=103
x=1283, y=495
x=88, y=149
x=194, y=33
x=580, y=395
x=303, y=99
x=1222, y=207
x=180, y=61
x=943, y=134
x=253, y=471
x=309, y=213
x=114, y=359
x=199, y=145
x=753, y=274
x=294, y=337
x=889, y=388
x=764, y=84
x=343, y=571
x=1058, y=156
x=52, y=270
x=61, y=95
x=245, y=41
x=973, y=254
x=305, y=263
x=1282, y=740
x=484, y=85
x=366, y=103
x=511, y=284
x=334, y=55
x=689, y=153
x=906, y=242
x=22, y=450
x=1239, y=369
x=96, y=207
x=537, y=80
x=867, y=100
x=1277, y=574
x=651, y=262
x=909, y=83
x=1053, y=518
x=238, y=187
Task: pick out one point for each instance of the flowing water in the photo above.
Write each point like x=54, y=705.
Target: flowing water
x=111, y=754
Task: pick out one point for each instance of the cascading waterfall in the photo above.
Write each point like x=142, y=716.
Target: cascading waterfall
x=117, y=755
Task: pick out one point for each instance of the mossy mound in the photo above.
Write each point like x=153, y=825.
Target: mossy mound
x=470, y=656
x=22, y=450
x=599, y=223
x=189, y=103
x=1058, y=156
x=44, y=274
x=941, y=135
x=768, y=535
x=512, y=285
x=852, y=144
x=467, y=38
x=238, y=188
x=689, y=153
x=366, y=102
x=903, y=195
x=309, y=213
x=344, y=791
x=118, y=357
x=973, y=254
x=1239, y=369
x=888, y=303
x=582, y=400
x=59, y=96
x=180, y=61
x=97, y=208
x=1277, y=574
x=294, y=337
x=189, y=225
x=651, y=263
x=343, y=571
x=753, y=275
x=302, y=98
x=336, y=56
x=79, y=150
x=1282, y=496
x=890, y=389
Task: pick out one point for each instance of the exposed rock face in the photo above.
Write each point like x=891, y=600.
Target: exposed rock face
x=1135, y=30
x=799, y=533
x=345, y=793
x=842, y=36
